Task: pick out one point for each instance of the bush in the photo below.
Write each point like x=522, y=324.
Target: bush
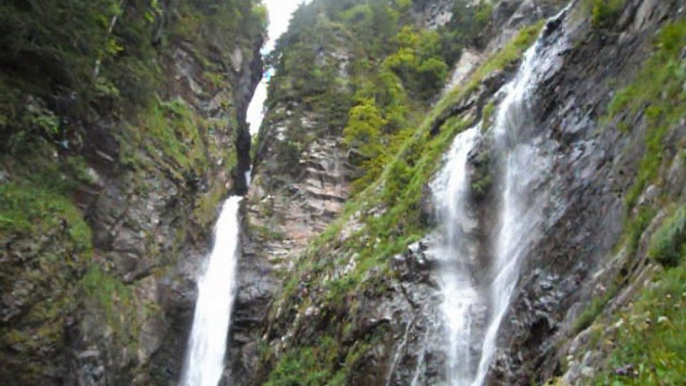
x=668, y=245
x=604, y=12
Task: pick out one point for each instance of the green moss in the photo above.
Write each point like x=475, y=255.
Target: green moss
x=115, y=302
x=169, y=131
x=39, y=204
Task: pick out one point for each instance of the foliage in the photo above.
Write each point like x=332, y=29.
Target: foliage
x=668, y=245
x=388, y=63
x=364, y=128
x=604, y=13
x=649, y=340
x=308, y=366
x=417, y=62
x=464, y=29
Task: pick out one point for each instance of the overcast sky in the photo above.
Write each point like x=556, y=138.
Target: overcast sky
x=280, y=12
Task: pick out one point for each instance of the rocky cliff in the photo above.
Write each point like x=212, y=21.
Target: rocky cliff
x=357, y=302
x=123, y=128
x=112, y=172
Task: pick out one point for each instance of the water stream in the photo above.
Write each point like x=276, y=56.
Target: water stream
x=473, y=310
x=456, y=253
x=205, y=360
x=216, y=293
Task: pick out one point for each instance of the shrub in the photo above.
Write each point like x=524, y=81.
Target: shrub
x=668, y=245
x=604, y=12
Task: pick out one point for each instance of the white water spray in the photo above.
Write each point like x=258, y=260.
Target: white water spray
x=216, y=292
x=521, y=208
x=451, y=191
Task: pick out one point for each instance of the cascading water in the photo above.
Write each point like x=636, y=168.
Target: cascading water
x=472, y=313
x=454, y=253
x=216, y=289
x=216, y=292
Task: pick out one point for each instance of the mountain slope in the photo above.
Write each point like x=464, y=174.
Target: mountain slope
x=359, y=299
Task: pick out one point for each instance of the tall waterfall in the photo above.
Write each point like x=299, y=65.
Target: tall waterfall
x=477, y=294
x=216, y=292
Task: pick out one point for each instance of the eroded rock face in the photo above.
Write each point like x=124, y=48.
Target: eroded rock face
x=279, y=224
x=126, y=320
x=148, y=232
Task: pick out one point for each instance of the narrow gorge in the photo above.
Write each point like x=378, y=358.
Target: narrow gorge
x=343, y=192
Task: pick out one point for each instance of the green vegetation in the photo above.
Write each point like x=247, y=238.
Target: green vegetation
x=37, y=202
x=660, y=91
x=394, y=71
x=668, y=245
x=650, y=341
x=592, y=311
x=507, y=56
x=648, y=345
x=400, y=187
x=604, y=13
x=400, y=159
x=92, y=83
x=114, y=301
x=309, y=366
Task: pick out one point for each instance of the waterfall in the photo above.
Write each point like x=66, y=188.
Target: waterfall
x=216, y=292
x=476, y=300
x=455, y=253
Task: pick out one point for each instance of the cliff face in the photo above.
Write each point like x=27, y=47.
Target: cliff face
x=358, y=303
x=122, y=128
x=108, y=207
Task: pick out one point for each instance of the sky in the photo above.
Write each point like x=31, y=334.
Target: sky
x=280, y=12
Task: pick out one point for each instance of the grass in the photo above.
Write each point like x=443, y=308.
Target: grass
x=649, y=346
x=114, y=301
x=651, y=337
x=307, y=366
x=591, y=313
x=659, y=91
